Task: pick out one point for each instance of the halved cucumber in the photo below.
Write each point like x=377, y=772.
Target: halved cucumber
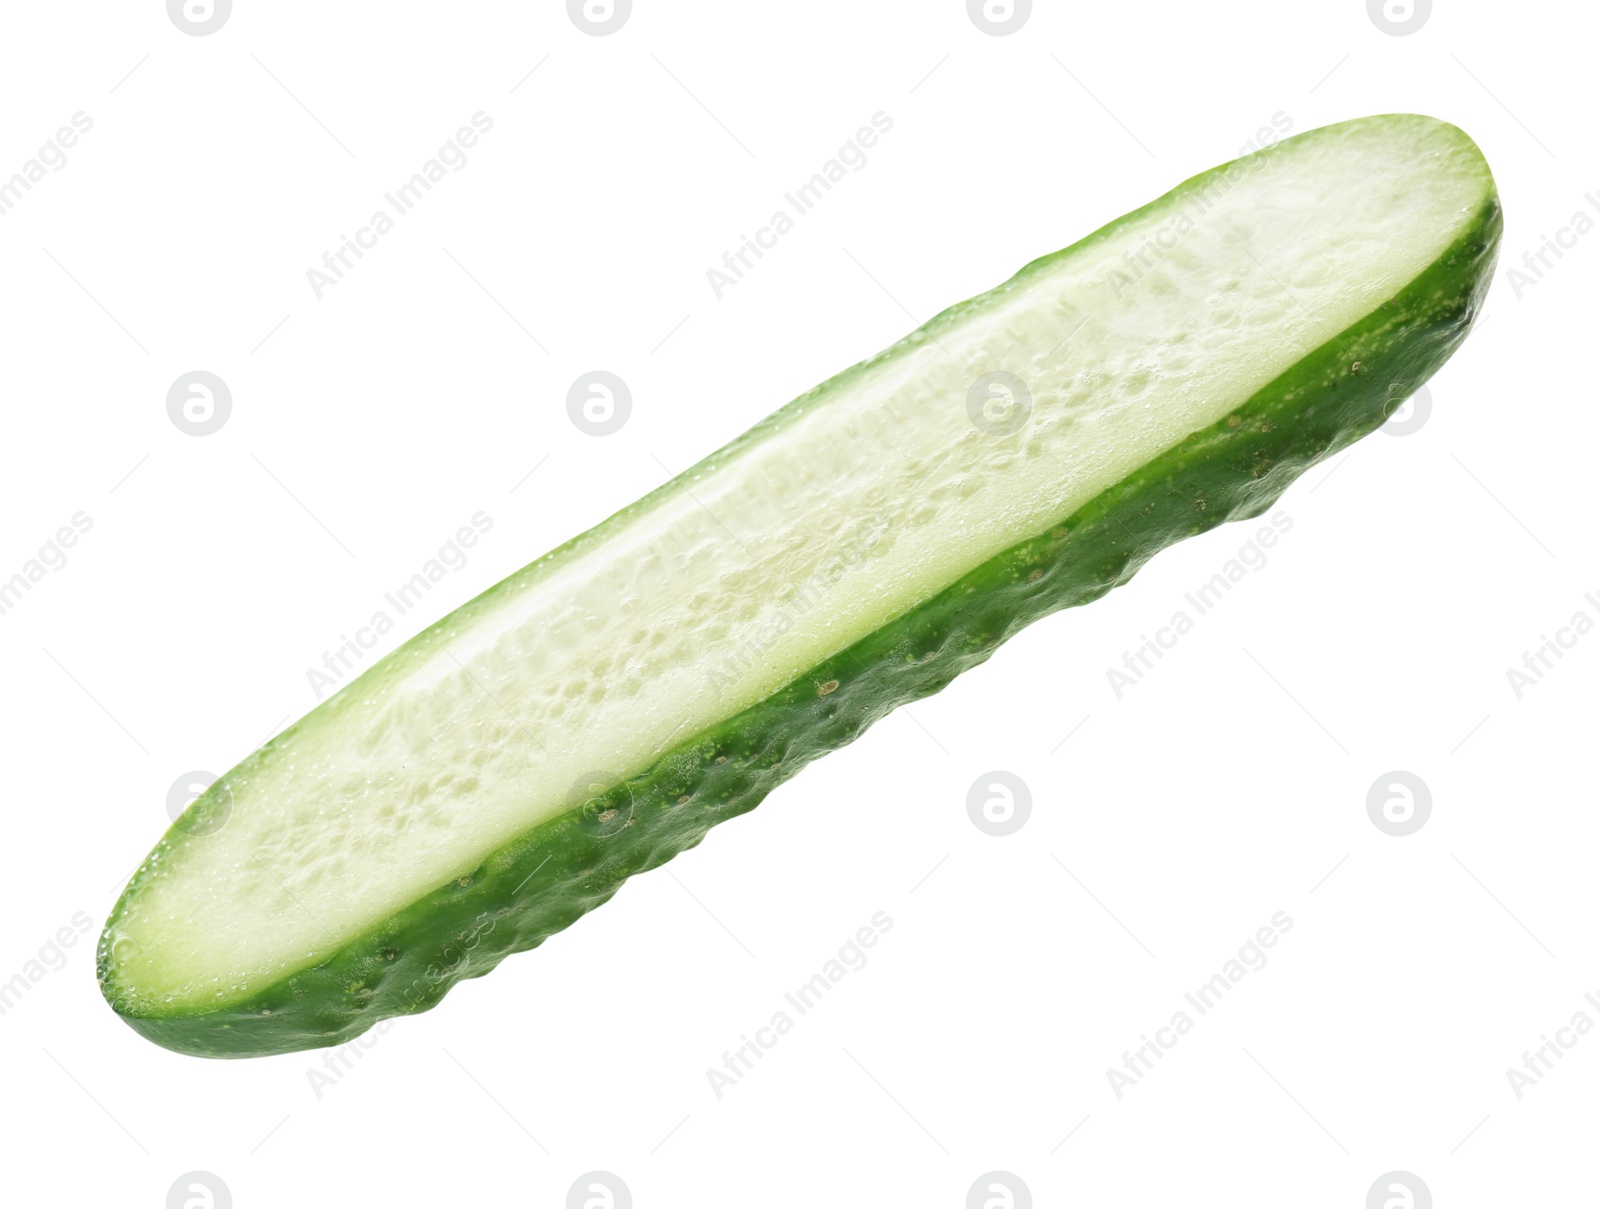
x=597, y=712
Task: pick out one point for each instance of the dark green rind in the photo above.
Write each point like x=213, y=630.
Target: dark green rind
x=544, y=880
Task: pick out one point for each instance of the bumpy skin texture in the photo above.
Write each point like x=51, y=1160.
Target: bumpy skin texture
x=548, y=877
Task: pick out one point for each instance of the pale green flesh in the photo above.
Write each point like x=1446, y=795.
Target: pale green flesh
x=864, y=499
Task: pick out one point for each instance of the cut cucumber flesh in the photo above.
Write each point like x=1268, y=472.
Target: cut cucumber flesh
x=595, y=713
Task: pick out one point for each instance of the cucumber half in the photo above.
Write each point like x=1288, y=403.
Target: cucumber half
x=597, y=712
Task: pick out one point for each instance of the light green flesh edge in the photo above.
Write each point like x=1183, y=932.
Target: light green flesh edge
x=835, y=519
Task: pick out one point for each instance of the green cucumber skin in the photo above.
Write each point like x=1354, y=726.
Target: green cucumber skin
x=545, y=879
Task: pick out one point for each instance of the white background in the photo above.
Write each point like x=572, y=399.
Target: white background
x=369, y=425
